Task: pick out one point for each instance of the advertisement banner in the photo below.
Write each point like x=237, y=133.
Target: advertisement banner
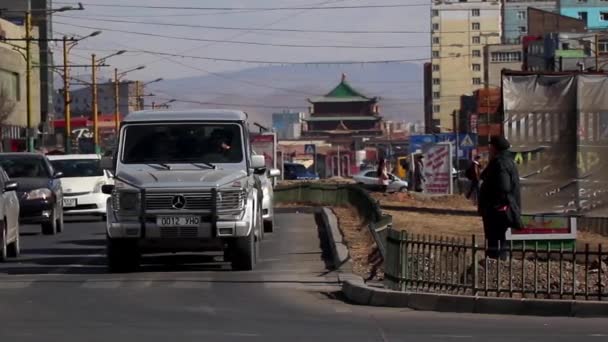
x=540, y=227
x=265, y=144
x=438, y=170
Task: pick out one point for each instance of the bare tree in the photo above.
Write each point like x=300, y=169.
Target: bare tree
x=7, y=106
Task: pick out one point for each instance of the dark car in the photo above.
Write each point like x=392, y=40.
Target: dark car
x=294, y=171
x=39, y=191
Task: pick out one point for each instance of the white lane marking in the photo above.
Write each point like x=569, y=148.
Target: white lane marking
x=12, y=285
x=190, y=284
x=102, y=284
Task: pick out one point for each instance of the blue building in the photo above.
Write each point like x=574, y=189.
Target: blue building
x=593, y=12
x=287, y=125
x=515, y=17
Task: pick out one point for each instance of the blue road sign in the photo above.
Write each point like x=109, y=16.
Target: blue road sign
x=310, y=149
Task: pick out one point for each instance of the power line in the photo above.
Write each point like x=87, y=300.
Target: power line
x=189, y=8
x=245, y=28
x=243, y=42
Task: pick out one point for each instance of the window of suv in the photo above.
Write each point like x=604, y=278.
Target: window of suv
x=183, y=143
x=72, y=168
x=25, y=167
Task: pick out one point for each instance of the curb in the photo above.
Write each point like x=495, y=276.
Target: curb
x=339, y=250
x=357, y=292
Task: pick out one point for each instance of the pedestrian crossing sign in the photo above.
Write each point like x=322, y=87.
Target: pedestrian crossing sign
x=309, y=149
x=467, y=141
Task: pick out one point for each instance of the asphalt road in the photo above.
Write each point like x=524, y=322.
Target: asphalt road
x=59, y=291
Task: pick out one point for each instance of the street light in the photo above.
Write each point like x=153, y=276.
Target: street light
x=66, y=87
x=117, y=95
x=137, y=94
x=94, y=63
x=165, y=104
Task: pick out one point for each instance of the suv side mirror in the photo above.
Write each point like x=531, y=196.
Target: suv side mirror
x=258, y=162
x=274, y=173
x=107, y=163
x=11, y=186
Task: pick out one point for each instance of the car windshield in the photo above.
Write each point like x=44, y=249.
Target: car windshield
x=24, y=167
x=78, y=167
x=183, y=143
x=299, y=168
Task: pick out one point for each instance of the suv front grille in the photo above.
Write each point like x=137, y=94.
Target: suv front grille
x=199, y=201
x=181, y=232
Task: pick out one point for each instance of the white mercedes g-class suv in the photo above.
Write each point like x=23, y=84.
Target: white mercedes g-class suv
x=184, y=181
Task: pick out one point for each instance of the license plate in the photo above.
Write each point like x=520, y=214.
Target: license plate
x=69, y=202
x=178, y=221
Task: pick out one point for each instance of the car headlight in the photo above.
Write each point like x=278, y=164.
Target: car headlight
x=128, y=201
x=98, y=186
x=39, y=194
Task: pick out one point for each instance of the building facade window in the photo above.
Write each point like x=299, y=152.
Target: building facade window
x=435, y=67
x=476, y=40
x=435, y=54
x=521, y=15
x=436, y=108
x=476, y=80
x=435, y=13
x=435, y=40
x=604, y=16
x=476, y=67
x=475, y=26
x=9, y=83
x=436, y=94
x=436, y=81
x=522, y=29
x=475, y=12
x=514, y=56
x=435, y=27
x=582, y=16
x=476, y=53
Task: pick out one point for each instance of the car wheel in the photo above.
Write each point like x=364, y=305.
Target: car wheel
x=243, y=252
x=403, y=189
x=60, y=223
x=122, y=255
x=3, y=246
x=14, y=249
x=50, y=228
x=269, y=225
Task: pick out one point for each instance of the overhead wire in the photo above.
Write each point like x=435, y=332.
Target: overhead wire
x=299, y=8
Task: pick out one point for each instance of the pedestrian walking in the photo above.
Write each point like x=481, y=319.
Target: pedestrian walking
x=473, y=173
x=383, y=178
x=499, y=197
x=419, y=178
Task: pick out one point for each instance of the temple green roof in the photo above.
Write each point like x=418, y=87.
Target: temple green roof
x=343, y=118
x=343, y=92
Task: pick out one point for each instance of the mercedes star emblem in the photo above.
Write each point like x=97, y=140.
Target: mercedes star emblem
x=179, y=202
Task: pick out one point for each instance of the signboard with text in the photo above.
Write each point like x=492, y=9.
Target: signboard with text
x=265, y=144
x=545, y=227
x=438, y=169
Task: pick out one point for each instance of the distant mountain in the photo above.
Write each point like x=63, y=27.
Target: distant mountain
x=264, y=90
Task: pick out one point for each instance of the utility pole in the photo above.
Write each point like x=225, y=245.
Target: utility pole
x=597, y=52
x=94, y=104
x=28, y=79
x=137, y=107
x=153, y=105
x=116, y=102
x=66, y=99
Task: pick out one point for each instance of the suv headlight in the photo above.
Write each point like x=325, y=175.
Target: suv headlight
x=39, y=194
x=126, y=200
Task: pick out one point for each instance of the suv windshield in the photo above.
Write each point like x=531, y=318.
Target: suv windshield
x=24, y=167
x=78, y=167
x=183, y=143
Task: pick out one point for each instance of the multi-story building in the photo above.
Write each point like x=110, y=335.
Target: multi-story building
x=565, y=52
x=288, y=125
x=593, y=12
x=14, y=11
x=13, y=87
x=515, y=17
x=460, y=30
x=500, y=57
x=81, y=104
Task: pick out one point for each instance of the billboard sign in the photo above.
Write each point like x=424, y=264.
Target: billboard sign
x=438, y=169
x=544, y=227
x=265, y=144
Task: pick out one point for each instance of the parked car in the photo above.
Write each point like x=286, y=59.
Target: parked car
x=9, y=223
x=39, y=192
x=265, y=176
x=294, y=171
x=369, y=179
x=81, y=183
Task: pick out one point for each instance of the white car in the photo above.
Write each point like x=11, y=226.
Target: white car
x=268, y=198
x=82, y=180
x=9, y=226
x=369, y=178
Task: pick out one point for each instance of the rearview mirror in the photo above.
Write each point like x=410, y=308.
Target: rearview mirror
x=274, y=173
x=107, y=163
x=258, y=162
x=11, y=186
x=107, y=189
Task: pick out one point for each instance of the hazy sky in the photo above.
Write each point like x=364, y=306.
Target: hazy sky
x=405, y=18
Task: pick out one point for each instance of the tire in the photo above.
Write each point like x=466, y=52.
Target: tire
x=50, y=228
x=403, y=189
x=269, y=225
x=3, y=246
x=243, y=256
x=122, y=255
x=60, y=223
x=14, y=249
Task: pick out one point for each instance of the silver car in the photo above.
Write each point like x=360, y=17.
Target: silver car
x=9, y=214
x=266, y=183
x=369, y=179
